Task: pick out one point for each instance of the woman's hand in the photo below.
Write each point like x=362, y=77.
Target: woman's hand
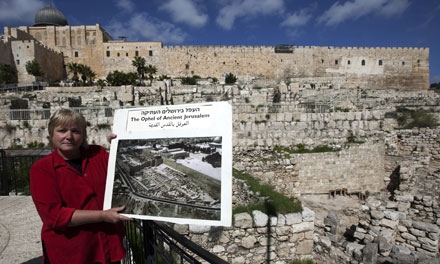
x=111, y=136
x=112, y=215
x=82, y=217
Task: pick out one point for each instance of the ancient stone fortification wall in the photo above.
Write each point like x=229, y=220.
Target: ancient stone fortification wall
x=5, y=50
x=51, y=62
x=372, y=68
x=360, y=67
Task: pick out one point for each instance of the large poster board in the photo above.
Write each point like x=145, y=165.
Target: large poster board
x=173, y=163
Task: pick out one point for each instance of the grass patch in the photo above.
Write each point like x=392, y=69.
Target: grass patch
x=353, y=139
x=273, y=202
x=301, y=148
x=408, y=118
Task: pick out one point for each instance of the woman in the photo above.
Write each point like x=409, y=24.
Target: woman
x=67, y=187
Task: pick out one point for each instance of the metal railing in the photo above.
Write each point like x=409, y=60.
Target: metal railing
x=153, y=242
x=147, y=241
x=23, y=86
x=14, y=169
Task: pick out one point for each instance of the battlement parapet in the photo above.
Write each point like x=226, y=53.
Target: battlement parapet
x=298, y=47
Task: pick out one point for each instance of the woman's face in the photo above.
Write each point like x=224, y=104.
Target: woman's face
x=68, y=140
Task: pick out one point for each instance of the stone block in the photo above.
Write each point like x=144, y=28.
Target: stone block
x=303, y=227
x=248, y=242
x=308, y=215
x=260, y=218
x=370, y=253
x=304, y=247
x=293, y=218
x=243, y=220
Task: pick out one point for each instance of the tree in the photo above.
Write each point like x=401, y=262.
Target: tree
x=189, y=80
x=117, y=78
x=34, y=68
x=101, y=83
x=87, y=73
x=8, y=74
x=139, y=63
x=74, y=68
x=151, y=70
x=230, y=78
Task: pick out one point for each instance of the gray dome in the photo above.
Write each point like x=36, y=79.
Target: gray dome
x=50, y=16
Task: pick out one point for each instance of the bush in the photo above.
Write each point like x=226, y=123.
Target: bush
x=35, y=144
x=189, y=80
x=301, y=148
x=422, y=118
x=230, y=78
x=274, y=201
x=408, y=119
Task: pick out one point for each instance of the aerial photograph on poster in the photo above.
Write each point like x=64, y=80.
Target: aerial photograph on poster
x=179, y=177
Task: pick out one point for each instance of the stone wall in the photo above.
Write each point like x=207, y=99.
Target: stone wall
x=317, y=173
x=51, y=62
x=257, y=237
x=5, y=51
x=346, y=67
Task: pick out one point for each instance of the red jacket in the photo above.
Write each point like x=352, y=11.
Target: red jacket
x=58, y=189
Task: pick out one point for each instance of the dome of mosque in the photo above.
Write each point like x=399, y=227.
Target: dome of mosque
x=50, y=16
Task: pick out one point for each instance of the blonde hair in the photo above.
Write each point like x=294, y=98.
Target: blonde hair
x=65, y=116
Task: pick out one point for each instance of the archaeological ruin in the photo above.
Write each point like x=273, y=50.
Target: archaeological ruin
x=374, y=198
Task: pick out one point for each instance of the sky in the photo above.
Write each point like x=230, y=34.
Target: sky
x=344, y=23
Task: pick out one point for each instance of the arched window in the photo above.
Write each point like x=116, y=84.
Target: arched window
x=348, y=62
x=363, y=62
x=380, y=62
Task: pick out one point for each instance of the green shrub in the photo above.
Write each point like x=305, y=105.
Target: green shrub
x=9, y=128
x=302, y=261
x=352, y=139
x=26, y=124
x=273, y=203
x=301, y=148
x=408, y=119
x=103, y=126
x=35, y=144
x=422, y=118
x=340, y=109
x=189, y=80
x=230, y=78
